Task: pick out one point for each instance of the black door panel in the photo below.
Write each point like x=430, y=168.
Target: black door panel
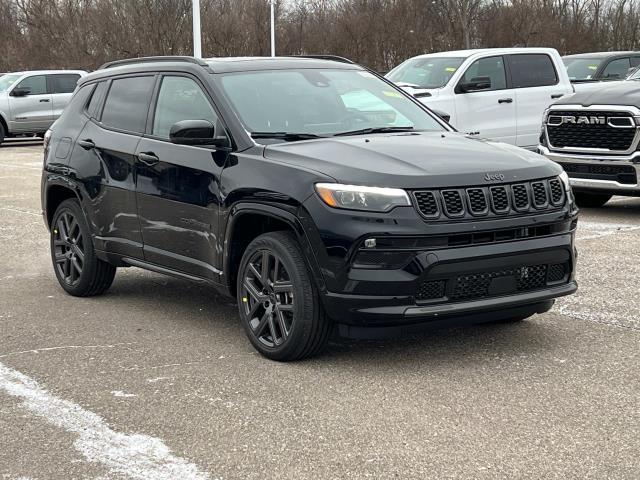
x=178, y=207
x=108, y=177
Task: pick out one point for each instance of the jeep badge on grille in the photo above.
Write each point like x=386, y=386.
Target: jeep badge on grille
x=494, y=177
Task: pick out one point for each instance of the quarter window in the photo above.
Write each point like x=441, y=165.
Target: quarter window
x=127, y=103
x=492, y=67
x=532, y=70
x=64, y=83
x=617, y=69
x=37, y=84
x=93, y=108
x=180, y=98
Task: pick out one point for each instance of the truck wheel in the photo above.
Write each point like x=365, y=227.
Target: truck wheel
x=78, y=270
x=591, y=200
x=278, y=300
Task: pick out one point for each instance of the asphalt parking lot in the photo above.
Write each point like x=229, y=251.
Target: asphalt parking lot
x=156, y=380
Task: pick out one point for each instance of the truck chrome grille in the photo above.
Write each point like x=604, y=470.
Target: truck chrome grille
x=496, y=200
x=616, y=134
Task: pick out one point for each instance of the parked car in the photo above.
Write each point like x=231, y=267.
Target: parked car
x=495, y=93
x=315, y=192
x=595, y=137
x=31, y=101
x=600, y=66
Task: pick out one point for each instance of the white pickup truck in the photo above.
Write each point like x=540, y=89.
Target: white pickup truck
x=495, y=93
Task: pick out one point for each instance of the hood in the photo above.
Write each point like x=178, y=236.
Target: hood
x=413, y=160
x=604, y=93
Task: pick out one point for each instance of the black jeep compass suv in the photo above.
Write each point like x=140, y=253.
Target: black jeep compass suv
x=317, y=193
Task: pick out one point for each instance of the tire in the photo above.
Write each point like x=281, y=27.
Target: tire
x=278, y=301
x=78, y=270
x=2, y=133
x=591, y=200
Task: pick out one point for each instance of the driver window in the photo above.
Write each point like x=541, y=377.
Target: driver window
x=37, y=84
x=181, y=98
x=617, y=69
x=492, y=67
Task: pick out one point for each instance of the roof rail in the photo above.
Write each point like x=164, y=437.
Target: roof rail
x=166, y=58
x=334, y=58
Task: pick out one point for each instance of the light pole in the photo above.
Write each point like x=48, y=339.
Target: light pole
x=197, y=41
x=273, y=29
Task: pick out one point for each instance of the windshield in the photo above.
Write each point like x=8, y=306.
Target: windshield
x=322, y=102
x=581, y=69
x=426, y=72
x=7, y=80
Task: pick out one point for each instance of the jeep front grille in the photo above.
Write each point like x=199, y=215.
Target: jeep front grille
x=591, y=135
x=496, y=200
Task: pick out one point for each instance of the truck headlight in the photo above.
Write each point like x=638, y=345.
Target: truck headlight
x=355, y=197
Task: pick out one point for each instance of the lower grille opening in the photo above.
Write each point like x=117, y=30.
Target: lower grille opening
x=624, y=174
x=507, y=281
x=431, y=290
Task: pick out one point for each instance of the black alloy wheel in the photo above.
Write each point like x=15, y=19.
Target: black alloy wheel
x=78, y=270
x=68, y=248
x=277, y=300
x=268, y=299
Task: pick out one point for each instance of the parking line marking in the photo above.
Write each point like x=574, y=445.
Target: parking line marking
x=136, y=456
x=17, y=210
x=64, y=347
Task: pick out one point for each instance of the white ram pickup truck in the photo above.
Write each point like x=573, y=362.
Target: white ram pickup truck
x=494, y=93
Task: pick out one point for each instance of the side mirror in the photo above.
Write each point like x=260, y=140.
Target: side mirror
x=443, y=115
x=193, y=132
x=20, y=92
x=475, y=84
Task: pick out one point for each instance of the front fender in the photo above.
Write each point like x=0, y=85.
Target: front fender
x=307, y=237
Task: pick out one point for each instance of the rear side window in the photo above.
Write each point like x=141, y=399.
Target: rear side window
x=617, y=69
x=127, y=103
x=63, y=83
x=532, y=70
x=93, y=108
x=36, y=84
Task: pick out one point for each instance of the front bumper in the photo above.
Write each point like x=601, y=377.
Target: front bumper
x=474, y=267
x=589, y=182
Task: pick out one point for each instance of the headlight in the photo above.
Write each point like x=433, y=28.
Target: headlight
x=564, y=178
x=354, y=197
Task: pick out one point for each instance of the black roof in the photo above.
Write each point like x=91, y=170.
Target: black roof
x=219, y=65
x=601, y=54
x=245, y=64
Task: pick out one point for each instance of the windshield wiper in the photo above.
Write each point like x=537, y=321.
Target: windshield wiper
x=287, y=136
x=366, y=131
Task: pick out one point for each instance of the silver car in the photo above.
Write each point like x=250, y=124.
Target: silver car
x=31, y=101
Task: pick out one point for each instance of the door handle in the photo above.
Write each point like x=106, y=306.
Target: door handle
x=555, y=96
x=148, y=158
x=505, y=100
x=44, y=100
x=87, y=144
